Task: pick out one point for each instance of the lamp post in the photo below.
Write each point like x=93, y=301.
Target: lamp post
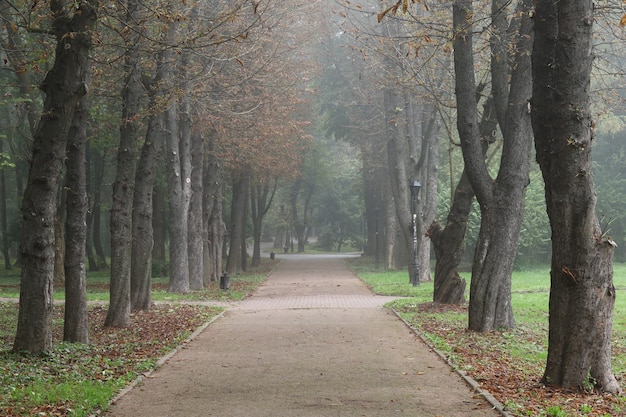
x=415, y=190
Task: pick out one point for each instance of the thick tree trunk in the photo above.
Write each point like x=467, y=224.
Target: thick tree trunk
x=76, y=328
x=95, y=214
x=64, y=86
x=449, y=242
x=142, y=232
x=195, y=225
x=213, y=225
x=501, y=201
x=59, y=241
x=159, y=223
x=179, y=185
x=582, y=294
x=490, y=289
x=91, y=259
x=118, y=314
x=430, y=180
x=97, y=236
x=397, y=152
x=449, y=245
x=395, y=250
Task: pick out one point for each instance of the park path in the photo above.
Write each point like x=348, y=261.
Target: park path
x=311, y=342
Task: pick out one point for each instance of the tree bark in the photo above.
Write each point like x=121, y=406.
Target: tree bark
x=195, y=225
x=91, y=259
x=260, y=205
x=244, y=230
x=449, y=242
x=179, y=187
x=374, y=174
x=97, y=212
x=177, y=157
x=397, y=151
x=582, y=294
x=76, y=326
x=96, y=161
x=237, y=228
x=159, y=223
x=64, y=86
x=142, y=232
x=3, y=215
x=501, y=200
x=449, y=246
x=213, y=224
x=118, y=314
x=299, y=222
x=59, y=238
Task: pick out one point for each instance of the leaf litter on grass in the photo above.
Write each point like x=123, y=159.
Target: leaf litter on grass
x=506, y=364
x=75, y=379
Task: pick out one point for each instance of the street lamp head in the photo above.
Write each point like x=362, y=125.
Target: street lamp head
x=415, y=188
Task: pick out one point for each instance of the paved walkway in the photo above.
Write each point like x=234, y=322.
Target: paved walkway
x=312, y=342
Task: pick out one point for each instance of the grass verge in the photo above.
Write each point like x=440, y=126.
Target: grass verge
x=78, y=379
x=509, y=364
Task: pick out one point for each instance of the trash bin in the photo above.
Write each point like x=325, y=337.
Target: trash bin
x=225, y=281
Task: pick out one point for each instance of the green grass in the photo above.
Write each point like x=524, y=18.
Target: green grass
x=241, y=285
x=525, y=345
x=74, y=379
x=83, y=395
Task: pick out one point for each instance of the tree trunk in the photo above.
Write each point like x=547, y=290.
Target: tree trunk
x=59, y=240
x=64, y=86
x=397, y=151
x=213, y=224
x=91, y=259
x=260, y=205
x=395, y=250
x=118, y=314
x=3, y=214
x=97, y=213
x=257, y=200
x=501, y=201
x=159, y=223
x=178, y=185
x=76, y=328
x=373, y=173
x=142, y=232
x=244, y=230
x=237, y=228
x=430, y=180
x=195, y=226
x=94, y=218
x=582, y=294
x=298, y=221
x=449, y=245
x=449, y=242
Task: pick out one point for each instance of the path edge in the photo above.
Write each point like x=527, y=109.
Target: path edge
x=162, y=361
x=475, y=386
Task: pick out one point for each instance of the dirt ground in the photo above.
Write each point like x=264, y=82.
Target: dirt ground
x=312, y=342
